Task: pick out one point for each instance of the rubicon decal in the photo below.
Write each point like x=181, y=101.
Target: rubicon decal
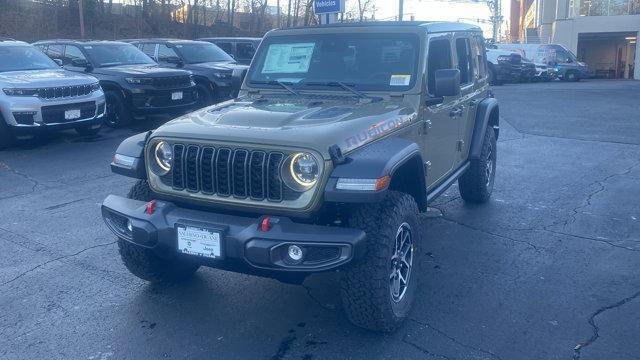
x=377, y=130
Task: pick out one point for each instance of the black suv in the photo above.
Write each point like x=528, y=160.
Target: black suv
x=216, y=74
x=134, y=85
x=241, y=49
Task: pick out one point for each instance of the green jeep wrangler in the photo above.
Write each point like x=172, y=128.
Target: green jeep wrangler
x=340, y=136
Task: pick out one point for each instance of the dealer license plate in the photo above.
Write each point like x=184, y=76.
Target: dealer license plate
x=72, y=114
x=176, y=95
x=199, y=241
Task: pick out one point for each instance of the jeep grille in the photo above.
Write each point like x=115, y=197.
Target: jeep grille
x=172, y=81
x=227, y=172
x=64, y=91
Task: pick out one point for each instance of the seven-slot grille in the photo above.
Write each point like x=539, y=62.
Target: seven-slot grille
x=227, y=172
x=64, y=91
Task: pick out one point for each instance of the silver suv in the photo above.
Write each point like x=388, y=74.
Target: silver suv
x=37, y=95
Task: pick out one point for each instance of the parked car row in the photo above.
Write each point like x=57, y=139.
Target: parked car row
x=533, y=62
x=60, y=84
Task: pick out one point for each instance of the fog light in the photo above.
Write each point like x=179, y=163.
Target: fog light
x=129, y=226
x=295, y=253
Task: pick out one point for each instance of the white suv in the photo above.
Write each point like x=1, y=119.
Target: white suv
x=37, y=95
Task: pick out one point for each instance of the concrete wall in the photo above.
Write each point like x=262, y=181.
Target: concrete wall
x=565, y=31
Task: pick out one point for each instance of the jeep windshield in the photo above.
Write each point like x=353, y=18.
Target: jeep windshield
x=363, y=61
x=21, y=58
x=197, y=53
x=105, y=55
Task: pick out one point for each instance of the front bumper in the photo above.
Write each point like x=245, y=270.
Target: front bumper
x=325, y=247
x=31, y=115
x=144, y=101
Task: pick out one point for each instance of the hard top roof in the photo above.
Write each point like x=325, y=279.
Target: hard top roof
x=428, y=26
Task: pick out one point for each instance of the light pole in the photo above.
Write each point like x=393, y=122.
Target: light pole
x=401, y=10
x=81, y=13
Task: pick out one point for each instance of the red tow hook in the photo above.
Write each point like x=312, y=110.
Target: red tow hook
x=151, y=207
x=265, y=224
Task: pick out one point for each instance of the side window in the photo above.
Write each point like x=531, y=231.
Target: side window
x=245, y=50
x=478, y=51
x=439, y=58
x=55, y=51
x=72, y=53
x=149, y=49
x=166, y=53
x=465, y=64
x=226, y=46
x=42, y=48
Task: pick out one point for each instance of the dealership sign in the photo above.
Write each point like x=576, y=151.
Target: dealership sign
x=328, y=6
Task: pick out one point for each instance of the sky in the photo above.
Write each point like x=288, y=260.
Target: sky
x=451, y=10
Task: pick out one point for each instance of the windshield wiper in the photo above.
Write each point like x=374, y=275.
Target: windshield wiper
x=284, y=85
x=348, y=87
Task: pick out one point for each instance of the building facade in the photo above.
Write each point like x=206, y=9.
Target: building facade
x=602, y=33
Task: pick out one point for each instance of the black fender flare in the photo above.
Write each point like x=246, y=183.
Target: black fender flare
x=110, y=86
x=390, y=156
x=487, y=114
x=132, y=147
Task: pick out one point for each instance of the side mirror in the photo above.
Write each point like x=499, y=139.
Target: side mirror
x=447, y=82
x=174, y=60
x=58, y=61
x=82, y=63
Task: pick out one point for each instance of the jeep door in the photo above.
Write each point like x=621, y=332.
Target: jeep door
x=440, y=124
x=473, y=80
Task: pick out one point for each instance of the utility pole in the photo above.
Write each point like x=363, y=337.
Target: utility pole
x=496, y=17
x=81, y=12
x=401, y=10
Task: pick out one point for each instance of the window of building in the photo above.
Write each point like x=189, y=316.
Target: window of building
x=439, y=58
x=465, y=60
x=604, y=7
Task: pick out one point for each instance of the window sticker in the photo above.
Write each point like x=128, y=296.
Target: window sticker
x=400, y=80
x=288, y=58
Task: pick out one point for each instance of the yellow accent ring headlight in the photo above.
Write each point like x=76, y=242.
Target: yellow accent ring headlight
x=302, y=171
x=163, y=155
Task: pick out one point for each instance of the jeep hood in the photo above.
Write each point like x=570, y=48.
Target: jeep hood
x=139, y=70
x=43, y=78
x=290, y=121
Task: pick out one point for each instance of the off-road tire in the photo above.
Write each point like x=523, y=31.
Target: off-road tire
x=144, y=263
x=476, y=184
x=6, y=137
x=571, y=76
x=492, y=77
x=117, y=115
x=366, y=284
x=205, y=97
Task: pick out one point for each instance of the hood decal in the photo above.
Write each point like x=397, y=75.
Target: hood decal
x=375, y=131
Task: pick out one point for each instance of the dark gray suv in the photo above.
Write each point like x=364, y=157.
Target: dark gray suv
x=217, y=75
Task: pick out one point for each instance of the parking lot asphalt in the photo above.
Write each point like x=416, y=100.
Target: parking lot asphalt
x=548, y=269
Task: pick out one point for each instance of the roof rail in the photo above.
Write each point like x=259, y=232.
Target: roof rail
x=3, y=38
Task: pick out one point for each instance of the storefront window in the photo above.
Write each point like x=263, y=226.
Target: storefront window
x=605, y=7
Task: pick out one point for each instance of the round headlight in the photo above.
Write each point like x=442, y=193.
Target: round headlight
x=301, y=171
x=163, y=155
